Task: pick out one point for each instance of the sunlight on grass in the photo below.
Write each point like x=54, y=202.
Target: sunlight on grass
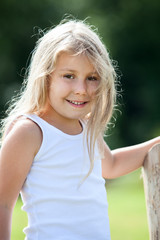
x=127, y=210
x=19, y=221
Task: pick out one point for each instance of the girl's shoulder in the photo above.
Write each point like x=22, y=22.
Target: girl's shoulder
x=24, y=129
x=19, y=147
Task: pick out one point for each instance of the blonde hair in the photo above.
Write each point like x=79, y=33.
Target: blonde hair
x=78, y=37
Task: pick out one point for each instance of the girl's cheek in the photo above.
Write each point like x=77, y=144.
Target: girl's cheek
x=93, y=94
x=93, y=88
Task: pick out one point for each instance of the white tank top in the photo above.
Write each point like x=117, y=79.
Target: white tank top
x=58, y=207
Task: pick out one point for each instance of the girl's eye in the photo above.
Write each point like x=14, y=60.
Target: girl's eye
x=93, y=78
x=69, y=76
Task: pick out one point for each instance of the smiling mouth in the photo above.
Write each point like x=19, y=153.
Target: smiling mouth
x=77, y=103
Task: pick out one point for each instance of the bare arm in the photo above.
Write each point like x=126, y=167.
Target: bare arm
x=5, y=222
x=125, y=160
x=16, y=156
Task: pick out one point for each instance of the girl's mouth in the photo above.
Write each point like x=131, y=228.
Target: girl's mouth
x=77, y=103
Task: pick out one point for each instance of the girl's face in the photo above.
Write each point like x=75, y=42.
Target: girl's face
x=72, y=88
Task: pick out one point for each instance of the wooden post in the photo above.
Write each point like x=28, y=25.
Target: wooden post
x=151, y=178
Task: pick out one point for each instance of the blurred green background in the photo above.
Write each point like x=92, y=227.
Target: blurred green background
x=130, y=30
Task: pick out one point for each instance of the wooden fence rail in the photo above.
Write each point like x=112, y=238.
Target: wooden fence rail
x=151, y=178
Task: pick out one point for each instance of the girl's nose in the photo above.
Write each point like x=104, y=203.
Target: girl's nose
x=80, y=87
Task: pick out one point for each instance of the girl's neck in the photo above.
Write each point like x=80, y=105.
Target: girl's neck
x=68, y=126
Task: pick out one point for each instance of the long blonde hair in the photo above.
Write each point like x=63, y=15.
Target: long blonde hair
x=78, y=37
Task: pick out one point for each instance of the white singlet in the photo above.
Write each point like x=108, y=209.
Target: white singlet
x=57, y=205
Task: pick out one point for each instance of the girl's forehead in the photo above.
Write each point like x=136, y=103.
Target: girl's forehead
x=70, y=60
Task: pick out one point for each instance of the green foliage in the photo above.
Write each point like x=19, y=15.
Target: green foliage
x=130, y=29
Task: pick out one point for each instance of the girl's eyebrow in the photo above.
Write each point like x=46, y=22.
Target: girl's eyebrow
x=67, y=69
x=74, y=71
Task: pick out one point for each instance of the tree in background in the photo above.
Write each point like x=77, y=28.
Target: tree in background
x=130, y=29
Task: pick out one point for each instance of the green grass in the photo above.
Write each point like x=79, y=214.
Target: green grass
x=127, y=210
x=19, y=221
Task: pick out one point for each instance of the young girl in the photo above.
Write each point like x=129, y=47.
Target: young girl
x=52, y=142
